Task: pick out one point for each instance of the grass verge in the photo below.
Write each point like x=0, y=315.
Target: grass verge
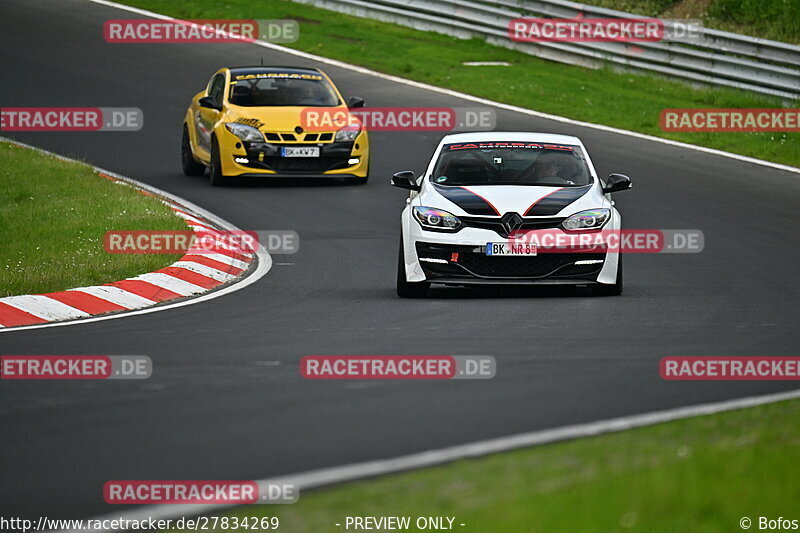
x=628, y=101
x=53, y=216
x=775, y=20
x=699, y=474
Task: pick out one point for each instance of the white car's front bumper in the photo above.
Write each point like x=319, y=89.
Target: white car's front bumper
x=428, y=256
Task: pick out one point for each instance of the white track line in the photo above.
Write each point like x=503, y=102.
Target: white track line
x=476, y=99
x=352, y=472
x=264, y=259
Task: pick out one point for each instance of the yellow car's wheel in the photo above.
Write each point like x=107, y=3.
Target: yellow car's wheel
x=189, y=165
x=215, y=171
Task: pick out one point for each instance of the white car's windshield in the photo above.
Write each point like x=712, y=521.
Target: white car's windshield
x=511, y=163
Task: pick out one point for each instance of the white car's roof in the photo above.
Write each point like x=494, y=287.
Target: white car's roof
x=486, y=136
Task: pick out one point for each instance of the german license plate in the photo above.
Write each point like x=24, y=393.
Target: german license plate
x=299, y=151
x=510, y=248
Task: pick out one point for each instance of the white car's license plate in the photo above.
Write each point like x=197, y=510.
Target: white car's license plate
x=510, y=248
x=300, y=151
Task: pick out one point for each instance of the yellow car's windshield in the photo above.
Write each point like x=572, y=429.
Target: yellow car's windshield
x=269, y=92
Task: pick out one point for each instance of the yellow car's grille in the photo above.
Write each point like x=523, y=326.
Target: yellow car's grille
x=299, y=138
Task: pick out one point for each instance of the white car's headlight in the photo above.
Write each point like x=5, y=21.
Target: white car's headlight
x=436, y=219
x=587, y=220
x=244, y=132
x=348, y=133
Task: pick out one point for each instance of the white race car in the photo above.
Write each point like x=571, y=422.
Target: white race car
x=487, y=203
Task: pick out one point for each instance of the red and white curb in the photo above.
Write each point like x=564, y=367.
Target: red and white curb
x=194, y=274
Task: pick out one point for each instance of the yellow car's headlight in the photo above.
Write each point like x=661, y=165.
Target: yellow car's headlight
x=244, y=132
x=348, y=133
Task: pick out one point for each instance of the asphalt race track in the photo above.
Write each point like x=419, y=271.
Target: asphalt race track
x=218, y=407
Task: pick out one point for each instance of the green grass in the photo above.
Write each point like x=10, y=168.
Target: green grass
x=694, y=475
x=627, y=101
x=53, y=216
x=649, y=8
x=772, y=19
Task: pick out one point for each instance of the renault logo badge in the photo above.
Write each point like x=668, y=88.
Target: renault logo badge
x=511, y=222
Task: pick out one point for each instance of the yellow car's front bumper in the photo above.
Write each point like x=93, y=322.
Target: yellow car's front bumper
x=336, y=159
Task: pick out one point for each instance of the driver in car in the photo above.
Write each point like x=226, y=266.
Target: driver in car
x=309, y=94
x=550, y=165
x=546, y=166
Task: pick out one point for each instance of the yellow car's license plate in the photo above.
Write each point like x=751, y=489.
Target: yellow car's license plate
x=300, y=151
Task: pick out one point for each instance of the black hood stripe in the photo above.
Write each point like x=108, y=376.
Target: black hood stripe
x=556, y=201
x=467, y=200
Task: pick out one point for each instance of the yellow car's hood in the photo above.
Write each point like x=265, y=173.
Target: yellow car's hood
x=282, y=119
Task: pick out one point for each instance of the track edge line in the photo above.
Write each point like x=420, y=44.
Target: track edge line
x=369, y=469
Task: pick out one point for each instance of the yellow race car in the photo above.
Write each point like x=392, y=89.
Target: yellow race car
x=253, y=121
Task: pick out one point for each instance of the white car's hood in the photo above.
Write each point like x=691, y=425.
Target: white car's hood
x=496, y=200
